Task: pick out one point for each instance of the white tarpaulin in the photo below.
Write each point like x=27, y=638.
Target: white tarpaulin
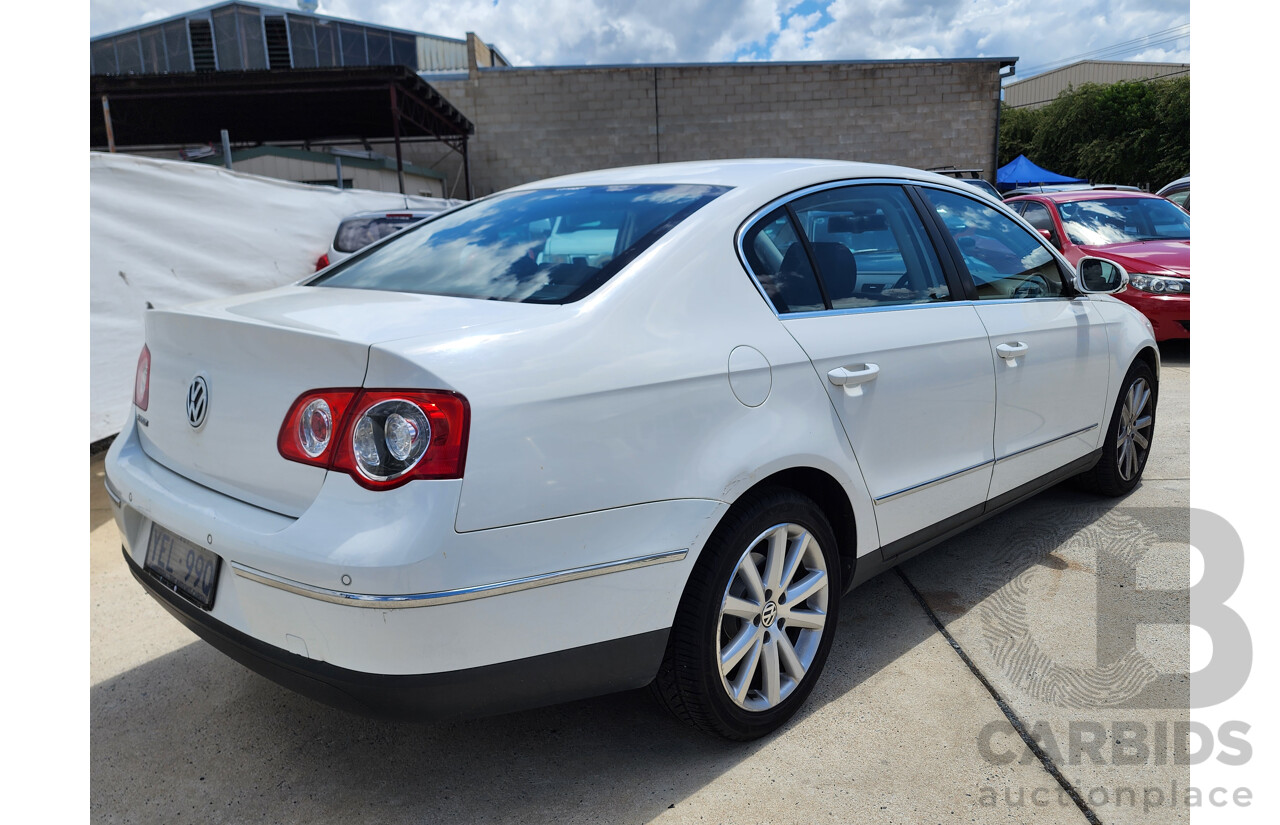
x=169, y=233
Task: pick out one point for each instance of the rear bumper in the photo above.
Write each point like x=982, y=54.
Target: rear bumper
x=562, y=676
x=372, y=601
x=1170, y=315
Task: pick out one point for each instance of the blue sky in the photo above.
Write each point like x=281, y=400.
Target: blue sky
x=1042, y=34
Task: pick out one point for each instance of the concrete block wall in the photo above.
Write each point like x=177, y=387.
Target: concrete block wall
x=540, y=122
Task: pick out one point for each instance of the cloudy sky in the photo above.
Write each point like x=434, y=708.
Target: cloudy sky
x=1042, y=34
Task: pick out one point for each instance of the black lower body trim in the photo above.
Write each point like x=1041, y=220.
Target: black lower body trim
x=551, y=678
x=896, y=552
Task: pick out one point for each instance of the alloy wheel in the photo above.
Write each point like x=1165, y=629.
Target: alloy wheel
x=772, y=617
x=1133, y=434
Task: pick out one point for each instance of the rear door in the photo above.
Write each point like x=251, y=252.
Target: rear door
x=854, y=276
x=1048, y=345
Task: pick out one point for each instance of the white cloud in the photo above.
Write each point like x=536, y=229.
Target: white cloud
x=570, y=32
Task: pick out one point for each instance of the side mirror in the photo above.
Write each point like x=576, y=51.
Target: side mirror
x=1098, y=276
x=1050, y=236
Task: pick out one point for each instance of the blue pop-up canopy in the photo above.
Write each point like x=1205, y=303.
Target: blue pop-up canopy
x=1022, y=172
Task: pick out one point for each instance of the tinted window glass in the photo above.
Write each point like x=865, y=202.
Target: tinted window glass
x=871, y=247
x=129, y=55
x=1122, y=220
x=781, y=265
x=104, y=56
x=1037, y=215
x=353, y=51
x=1004, y=260
x=357, y=233
x=546, y=246
x=327, y=44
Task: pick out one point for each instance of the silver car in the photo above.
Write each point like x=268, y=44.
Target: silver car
x=363, y=228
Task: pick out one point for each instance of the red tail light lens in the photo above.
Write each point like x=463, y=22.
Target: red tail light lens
x=322, y=261
x=308, y=431
x=142, y=380
x=381, y=438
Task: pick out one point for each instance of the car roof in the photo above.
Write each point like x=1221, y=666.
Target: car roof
x=1174, y=186
x=1082, y=195
x=746, y=174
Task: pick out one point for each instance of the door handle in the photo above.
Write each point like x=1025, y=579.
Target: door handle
x=860, y=374
x=1012, y=350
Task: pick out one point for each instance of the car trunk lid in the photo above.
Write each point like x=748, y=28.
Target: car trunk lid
x=254, y=356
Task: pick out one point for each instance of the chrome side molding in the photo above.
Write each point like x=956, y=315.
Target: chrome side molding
x=462, y=594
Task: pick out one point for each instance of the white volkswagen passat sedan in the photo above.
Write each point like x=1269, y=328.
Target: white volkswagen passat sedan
x=637, y=426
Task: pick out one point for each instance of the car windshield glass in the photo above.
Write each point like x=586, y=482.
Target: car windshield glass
x=1123, y=220
x=357, y=233
x=546, y=246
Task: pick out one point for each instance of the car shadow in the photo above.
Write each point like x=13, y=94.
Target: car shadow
x=1176, y=353
x=213, y=735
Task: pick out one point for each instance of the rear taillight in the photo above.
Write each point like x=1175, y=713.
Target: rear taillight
x=322, y=261
x=381, y=438
x=142, y=380
x=308, y=433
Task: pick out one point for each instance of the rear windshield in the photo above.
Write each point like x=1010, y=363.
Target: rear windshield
x=1122, y=220
x=357, y=233
x=547, y=246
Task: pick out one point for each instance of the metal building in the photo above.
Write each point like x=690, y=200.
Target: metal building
x=1039, y=90
x=240, y=36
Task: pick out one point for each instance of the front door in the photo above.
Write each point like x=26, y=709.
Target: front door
x=1049, y=346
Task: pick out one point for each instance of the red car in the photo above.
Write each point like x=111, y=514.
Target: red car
x=1146, y=234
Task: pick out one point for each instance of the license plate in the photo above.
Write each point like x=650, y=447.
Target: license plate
x=184, y=565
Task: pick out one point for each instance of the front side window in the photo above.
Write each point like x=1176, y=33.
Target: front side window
x=1003, y=259
x=1123, y=220
x=545, y=246
x=1037, y=214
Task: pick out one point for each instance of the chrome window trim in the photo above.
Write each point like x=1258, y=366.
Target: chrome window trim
x=756, y=216
x=915, y=488
x=819, y=313
x=462, y=594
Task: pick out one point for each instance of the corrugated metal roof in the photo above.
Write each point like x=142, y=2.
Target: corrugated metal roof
x=1044, y=88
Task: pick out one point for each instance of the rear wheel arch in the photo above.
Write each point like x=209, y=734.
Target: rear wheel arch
x=831, y=497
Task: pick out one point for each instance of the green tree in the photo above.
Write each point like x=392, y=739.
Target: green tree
x=1134, y=132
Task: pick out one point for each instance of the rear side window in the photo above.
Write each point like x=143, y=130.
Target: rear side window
x=781, y=265
x=871, y=247
x=546, y=246
x=356, y=233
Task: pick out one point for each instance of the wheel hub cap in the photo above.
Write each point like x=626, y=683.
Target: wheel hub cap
x=769, y=613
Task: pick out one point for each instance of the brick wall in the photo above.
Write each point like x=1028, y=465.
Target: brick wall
x=536, y=123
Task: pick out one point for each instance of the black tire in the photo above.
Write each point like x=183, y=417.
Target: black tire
x=711, y=614
x=1124, y=458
